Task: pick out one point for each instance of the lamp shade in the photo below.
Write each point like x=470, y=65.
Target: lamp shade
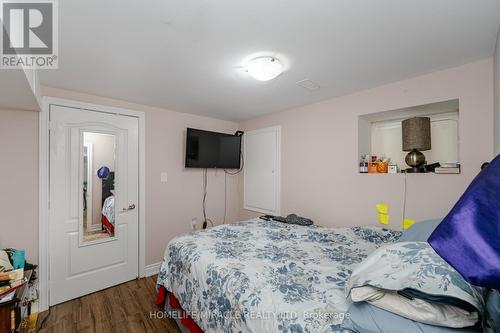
x=416, y=133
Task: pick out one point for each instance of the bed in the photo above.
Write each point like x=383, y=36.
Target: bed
x=108, y=203
x=265, y=276
x=108, y=215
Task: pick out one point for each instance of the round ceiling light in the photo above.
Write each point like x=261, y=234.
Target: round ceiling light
x=264, y=68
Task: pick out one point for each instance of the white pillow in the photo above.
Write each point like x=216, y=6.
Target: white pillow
x=415, y=309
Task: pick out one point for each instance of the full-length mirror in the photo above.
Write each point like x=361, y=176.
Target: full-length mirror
x=98, y=186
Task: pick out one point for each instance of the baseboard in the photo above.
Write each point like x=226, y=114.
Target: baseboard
x=152, y=269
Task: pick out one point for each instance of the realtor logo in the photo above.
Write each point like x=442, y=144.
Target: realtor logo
x=29, y=34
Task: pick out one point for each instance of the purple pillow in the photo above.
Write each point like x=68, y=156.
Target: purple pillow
x=469, y=236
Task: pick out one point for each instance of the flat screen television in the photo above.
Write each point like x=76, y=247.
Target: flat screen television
x=205, y=149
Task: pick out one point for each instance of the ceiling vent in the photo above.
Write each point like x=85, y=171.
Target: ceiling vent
x=308, y=84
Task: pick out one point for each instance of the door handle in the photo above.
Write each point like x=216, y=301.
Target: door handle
x=130, y=207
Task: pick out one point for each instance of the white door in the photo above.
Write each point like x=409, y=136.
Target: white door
x=87, y=257
x=262, y=170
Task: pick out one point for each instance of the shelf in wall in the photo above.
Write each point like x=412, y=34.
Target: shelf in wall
x=379, y=133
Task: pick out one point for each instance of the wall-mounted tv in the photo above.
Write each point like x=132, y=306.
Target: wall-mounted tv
x=205, y=149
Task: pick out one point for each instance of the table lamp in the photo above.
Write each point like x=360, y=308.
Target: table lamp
x=416, y=137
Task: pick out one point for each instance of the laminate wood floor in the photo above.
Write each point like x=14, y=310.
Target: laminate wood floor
x=123, y=308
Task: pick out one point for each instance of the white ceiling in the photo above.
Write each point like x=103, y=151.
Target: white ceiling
x=185, y=55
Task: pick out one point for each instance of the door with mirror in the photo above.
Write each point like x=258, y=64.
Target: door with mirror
x=93, y=196
x=99, y=168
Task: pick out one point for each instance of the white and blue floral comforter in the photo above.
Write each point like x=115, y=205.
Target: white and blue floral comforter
x=260, y=276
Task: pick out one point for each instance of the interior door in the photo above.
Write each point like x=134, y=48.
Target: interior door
x=93, y=213
x=261, y=152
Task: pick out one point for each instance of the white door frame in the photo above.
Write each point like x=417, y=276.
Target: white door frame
x=43, y=187
x=90, y=163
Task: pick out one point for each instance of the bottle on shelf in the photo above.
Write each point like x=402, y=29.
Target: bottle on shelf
x=363, y=164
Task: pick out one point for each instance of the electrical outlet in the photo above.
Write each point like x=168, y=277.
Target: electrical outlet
x=194, y=223
x=163, y=177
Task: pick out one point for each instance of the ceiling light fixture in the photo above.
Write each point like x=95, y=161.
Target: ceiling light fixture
x=264, y=68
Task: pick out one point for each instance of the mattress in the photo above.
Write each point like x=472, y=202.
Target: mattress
x=265, y=276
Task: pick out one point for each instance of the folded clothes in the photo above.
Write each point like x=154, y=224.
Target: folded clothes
x=294, y=219
x=290, y=219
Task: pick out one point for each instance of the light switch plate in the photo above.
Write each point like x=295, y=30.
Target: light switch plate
x=163, y=177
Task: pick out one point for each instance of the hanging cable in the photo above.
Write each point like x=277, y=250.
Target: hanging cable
x=240, y=169
x=204, y=197
x=404, y=203
x=206, y=220
x=225, y=198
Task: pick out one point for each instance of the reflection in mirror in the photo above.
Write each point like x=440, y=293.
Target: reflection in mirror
x=98, y=186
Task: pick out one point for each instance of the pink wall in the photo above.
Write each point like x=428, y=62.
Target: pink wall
x=171, y=206
x=319, y=152
x=319, y=160
x=19, y=181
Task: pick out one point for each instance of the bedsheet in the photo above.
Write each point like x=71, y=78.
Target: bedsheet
x=265, y=276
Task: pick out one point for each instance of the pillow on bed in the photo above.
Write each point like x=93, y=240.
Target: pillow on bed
x=411, y=280
x=420, y=231
x=419, y=309
x=469, y=236
x=366, y=318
